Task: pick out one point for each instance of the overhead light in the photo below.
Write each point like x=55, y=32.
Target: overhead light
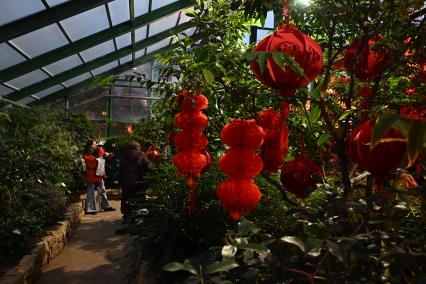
x=304, y=2
x=135, y=68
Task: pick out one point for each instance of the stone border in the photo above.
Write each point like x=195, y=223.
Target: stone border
x=29, y=268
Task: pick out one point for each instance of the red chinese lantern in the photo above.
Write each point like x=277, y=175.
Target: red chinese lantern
x=209, y=161
x=300, y=176
x=384, y=158
x=307, y=53
x=239, y=193
x=152, y=153
x=191, y=159
x=369, y=63
x=275, y=147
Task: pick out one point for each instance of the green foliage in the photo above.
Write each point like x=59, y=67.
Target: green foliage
x=37, y=172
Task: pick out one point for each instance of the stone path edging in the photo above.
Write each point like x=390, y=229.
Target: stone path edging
x=29, y=267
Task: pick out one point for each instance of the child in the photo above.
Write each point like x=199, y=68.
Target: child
x=100, y=172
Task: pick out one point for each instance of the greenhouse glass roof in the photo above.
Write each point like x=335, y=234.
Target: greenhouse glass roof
x=51, y=48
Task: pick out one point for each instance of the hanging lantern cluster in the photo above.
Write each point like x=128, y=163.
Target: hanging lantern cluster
x=300, y=176
x=305, y=51
x=384, y=158
x=368, y=63
x=239, y=193
x=275, y=146
x=191, y=158
x=152, y=153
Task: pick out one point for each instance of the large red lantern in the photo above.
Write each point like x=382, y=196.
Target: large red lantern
x=300, y=176
x=368, y=63
x=306, y=52
x=275, y=147
x=239, y=193
x=384, y=158
x=191, y=159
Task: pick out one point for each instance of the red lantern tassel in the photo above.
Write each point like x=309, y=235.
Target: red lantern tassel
x=192, y=195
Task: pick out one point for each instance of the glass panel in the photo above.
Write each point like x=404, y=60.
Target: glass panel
x=98, y=51
x=184, y=18
x=140, y=34
x=9, y=57
x=41, y=41
x=269, y=22
x=64, y=64
x=123, y=40
x=126, y=109
x=26, y=100
x=163, y=24
x=5, y=90
x=77, y=79
x=140, y=53
x=28, y=79
x=49, y=91
x=16, y=9
x=160, y=3
x=262, y=33
x=141, y=7
x=158, y=45
x=145, y=69
x=87, y=23
x=125, y=59
x=56, y=2
x=119, y=10
x=104, y=68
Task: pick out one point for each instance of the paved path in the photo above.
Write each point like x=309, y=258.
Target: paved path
x=95, y=253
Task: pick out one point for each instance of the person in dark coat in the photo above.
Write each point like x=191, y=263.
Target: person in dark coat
x=133, y=166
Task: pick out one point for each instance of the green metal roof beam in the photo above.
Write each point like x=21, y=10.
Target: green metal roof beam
x=90, y=41
x=114, y=71
x=47, y=17
x=101, y=61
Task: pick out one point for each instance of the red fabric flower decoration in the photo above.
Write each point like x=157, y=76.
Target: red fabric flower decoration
x=369, y=63
x=275, y=147
x=307, y=53
x=152, y=153
x=300, y=176
x=382, y=159
x=239, y=193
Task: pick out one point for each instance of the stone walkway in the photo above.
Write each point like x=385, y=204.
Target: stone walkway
x=95, y=253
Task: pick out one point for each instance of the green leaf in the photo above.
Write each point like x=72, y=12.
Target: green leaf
x=245, y=227
x=345, y=114
x=294, y=65
x=335, y=250
x=323, y=139
x=190, y=13
x=251, y=55
x=279, y=59
x=314, y=113
x=208, y=75
x=176, y=266
x=383, y=124
x=260, y=248
x=315, y=94
x=262, y=59
x=416, y=137
x=223, y=265
x=295, y=241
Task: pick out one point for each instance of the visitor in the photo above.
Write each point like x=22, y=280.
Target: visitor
x=93, y=182
x=133, y=166
x=100, y=171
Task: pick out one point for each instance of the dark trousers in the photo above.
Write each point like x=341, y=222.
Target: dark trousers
x=129, y=193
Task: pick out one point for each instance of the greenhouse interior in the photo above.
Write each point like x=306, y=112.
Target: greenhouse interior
x=219, y=141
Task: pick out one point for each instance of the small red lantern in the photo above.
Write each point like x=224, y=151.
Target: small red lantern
x=384, y=158
x=275, y=147
x=307, y=53
x=152, y=153
x=191, y=159
x=238, y=192
x=300, y=176
x=369, y=62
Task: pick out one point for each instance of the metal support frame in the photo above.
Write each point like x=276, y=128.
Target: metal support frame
x=81, y=69
x=114, y=71
x=47, y=17
x=90, y=41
